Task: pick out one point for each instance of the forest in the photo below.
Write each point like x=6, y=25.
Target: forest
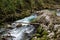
x=9, y=8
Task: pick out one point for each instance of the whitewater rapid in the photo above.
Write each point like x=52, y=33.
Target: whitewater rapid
x=21, y=33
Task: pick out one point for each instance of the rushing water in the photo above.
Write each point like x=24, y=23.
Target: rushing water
x=21, y=33
x=25, y=20
x=58, y=12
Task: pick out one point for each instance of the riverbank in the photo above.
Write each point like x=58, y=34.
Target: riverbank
x=49, y=28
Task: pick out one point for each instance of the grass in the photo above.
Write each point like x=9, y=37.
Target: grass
x=9, y=9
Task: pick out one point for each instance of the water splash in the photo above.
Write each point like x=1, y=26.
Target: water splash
x=24, y=32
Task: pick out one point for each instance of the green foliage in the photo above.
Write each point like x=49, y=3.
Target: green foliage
x=41, y=34
x=7, y=6
x=39, y=29
x=9, y=9
x=10, y=6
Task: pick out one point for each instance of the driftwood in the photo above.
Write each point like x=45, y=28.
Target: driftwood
x=26, y=23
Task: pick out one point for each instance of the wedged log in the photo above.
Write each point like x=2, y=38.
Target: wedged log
x=34, y=24
x=26, y=23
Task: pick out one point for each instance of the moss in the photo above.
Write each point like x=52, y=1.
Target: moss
x=45, y=32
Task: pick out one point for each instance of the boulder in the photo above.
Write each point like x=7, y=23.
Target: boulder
x=19, y=25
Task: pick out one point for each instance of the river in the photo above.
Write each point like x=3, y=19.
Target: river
x=22, y=33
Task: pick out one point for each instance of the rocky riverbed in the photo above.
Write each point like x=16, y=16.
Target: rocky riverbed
x=49, y=28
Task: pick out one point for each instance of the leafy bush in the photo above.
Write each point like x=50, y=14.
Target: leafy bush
x=41, y=34
x=11, y=8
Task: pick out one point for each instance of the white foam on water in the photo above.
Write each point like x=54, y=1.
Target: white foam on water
x=58, y=14
x=19, y=33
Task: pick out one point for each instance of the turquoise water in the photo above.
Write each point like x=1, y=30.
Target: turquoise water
x=27, y=19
